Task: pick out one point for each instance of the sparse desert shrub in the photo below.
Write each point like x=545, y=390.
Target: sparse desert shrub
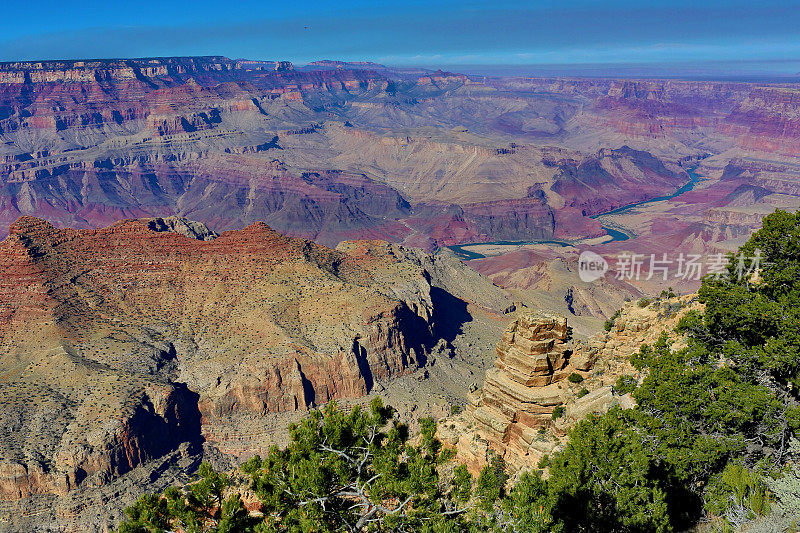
x=670, y=308
x=644, y=302
x=737, y=494
x=575, y=378
x=785, y=490
x=544, y=462
x=583, y=392
x=611, y=320
x=624, y=385
x=558, y=412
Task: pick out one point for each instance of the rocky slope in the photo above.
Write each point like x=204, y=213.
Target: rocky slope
x=119, y=344
x=552, y=276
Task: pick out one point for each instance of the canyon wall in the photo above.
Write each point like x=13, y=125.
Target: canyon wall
x=329, y=151
x=118, y=344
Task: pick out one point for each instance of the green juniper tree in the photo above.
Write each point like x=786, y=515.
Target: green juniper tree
x=351, y=471
x=343, y=471
x=714, y=412
x=198, y=507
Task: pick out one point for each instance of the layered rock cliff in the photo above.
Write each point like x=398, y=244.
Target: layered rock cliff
x=526, y=405
x=519, y=395
x=329, y=151
x=119, y=344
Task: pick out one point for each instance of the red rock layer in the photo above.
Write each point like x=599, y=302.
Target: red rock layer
x=133, y=340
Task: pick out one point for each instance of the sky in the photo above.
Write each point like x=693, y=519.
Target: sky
x=753, y=34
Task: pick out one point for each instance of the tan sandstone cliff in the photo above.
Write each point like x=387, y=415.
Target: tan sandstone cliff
x=527, y=404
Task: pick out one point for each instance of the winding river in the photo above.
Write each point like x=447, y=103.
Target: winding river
x=616, y=234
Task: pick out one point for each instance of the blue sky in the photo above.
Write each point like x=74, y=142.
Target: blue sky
x=412, y=32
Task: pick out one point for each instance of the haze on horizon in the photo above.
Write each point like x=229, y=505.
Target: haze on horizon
x=502, y=36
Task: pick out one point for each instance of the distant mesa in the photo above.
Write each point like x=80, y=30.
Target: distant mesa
x=90, y=70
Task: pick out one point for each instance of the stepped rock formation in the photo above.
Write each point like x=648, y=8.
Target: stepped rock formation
x=512, y=414
x=520, y=394
x=119, y=344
